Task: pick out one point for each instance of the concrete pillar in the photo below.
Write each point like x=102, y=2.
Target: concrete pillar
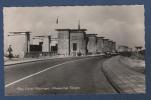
x=91, y=43
x=78, y=42
x=114, y=46
x=100, y=45
x=63, y=42
x=28, y=42
x=110, y=45
x=106, y=45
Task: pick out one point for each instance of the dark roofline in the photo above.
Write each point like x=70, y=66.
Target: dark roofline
x=110, y=41
x=106, y=39
x=89, y=35
x=62, y=29
x=71, y=29
x=123, y=46
x=100, y=37
x=113, y=42
x=78, y=29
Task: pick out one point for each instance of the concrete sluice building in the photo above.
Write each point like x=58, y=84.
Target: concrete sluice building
x=91, y=43
x=110, y=46
x=106, y=45
x=19, y=44
x=114, y=46
x=72, y=42
x=100, y=45
x=75, y=42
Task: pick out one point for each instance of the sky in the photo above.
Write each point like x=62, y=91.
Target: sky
x=123, y=24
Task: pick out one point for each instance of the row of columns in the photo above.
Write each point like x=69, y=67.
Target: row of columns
x=73, y=41
x=100, y=44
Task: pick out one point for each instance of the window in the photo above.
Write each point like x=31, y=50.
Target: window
x=74, y=46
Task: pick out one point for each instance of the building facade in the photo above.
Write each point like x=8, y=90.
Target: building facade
x=20, y=45
x=77, y=42
x=110, y=46
x=100, y=45
x=71, y=42
x=106, y=45
x=91, y=43
x=63, y=42
x=113, y=46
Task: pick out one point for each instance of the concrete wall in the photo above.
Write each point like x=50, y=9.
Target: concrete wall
x=110, y=46
x=18, y=44
x=79, y=39
x=100, y=45
x=106, y=45
x=92, y=44
x=69, y=39
x=63, y=43
x=113, y=46
x=45, y=46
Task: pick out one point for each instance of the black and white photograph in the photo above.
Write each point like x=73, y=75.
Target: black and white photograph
x=62, y=50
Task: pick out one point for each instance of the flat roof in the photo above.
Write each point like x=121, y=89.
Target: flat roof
x=62, y=29
x=71, y=29
x=123, y=46
x=91, y=35
x=105, y=39
x=110, y=41
x=100, y=37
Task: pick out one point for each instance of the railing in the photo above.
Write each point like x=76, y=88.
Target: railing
x=40, y=54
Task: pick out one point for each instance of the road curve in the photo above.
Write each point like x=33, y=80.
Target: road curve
x=59, y=76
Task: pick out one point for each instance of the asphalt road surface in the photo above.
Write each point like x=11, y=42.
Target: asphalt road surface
x=80, y=75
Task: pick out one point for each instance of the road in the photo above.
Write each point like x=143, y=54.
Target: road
x=80, y=75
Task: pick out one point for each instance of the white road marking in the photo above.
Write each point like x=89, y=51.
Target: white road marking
x=17, y=81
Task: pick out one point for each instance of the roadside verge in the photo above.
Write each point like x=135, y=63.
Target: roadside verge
x=9, y=63
x=134, y=64
x=123, y=79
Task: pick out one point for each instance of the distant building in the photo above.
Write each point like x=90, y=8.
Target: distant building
x=123, y=48
x=100, y=45
x=71, y=42
x=91, y=43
